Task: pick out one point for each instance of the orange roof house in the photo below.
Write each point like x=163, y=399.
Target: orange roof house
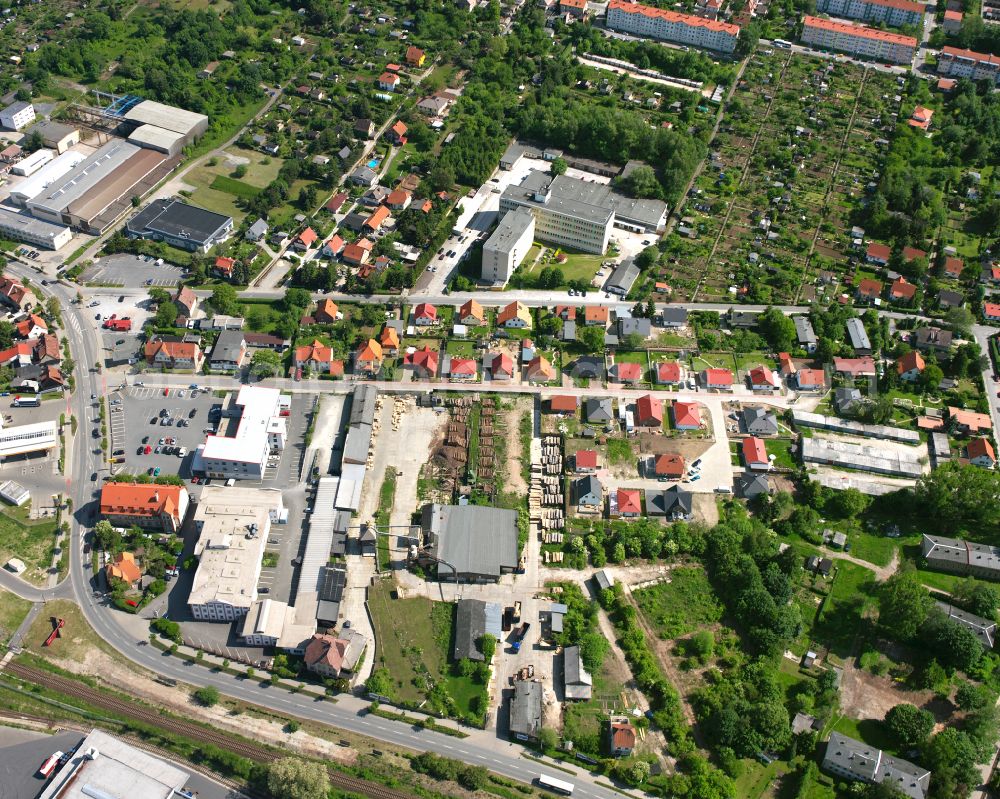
x=146, y=505
x=425, y=314
x=562, y=403
x=910, y=366
x=224, y=266
x=669, y=465
x=471, y=313
x=717, y=378
x=357, y=253
x=377, y=218
x=398, y=199
x=173, y=354
x=912, y=253
x=869, y=289
x=124, y=567
x=596, y=315
x=326, y=312
x=306, y=239
x=316, y=356
x=368, y=358
x=397, y=133
x=980, y=452
x=901, y=290
x=389, y=340
x=878, y=253
x=415, y=57
x=921, y=117
x=969, y=421
x=501, y=366
x=539, y=370
x=514, y=315
x=462, y=369
x=953, y=267
x=668, y=372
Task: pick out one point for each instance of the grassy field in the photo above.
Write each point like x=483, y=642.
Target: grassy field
x=578, y=266
x=237, y=188
x=875, y=549
x=584, y=722
x=842, y=611
x=77, y=638
x=460, y=348
x=681, y=606
x=216, y=189
x=30, y=541
x=415, y=637
x=13, y=609
x=782, y=451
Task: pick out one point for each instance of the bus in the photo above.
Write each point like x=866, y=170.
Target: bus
x=556, y=786
x=786, y=45
x=27, y=402
x=49, y=765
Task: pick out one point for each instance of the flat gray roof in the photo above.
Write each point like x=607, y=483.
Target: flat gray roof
x=473, y=539
x=154, y=136
x=227, y=346
x=568, y=196
x=14, y=221
x=511, y=228
x=98, y=167
x=964, y=553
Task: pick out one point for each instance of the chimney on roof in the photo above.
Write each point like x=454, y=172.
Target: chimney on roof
x=156, y=496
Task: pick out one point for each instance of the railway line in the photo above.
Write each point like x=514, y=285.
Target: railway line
x=187, y=729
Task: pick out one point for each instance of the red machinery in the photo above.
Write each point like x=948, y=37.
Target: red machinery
x=60, y=623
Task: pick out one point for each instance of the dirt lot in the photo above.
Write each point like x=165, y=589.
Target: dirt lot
x=690, y=448
x=513, y=477
x=864, y=695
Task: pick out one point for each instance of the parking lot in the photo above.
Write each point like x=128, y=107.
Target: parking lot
x=107, y=305
x=137, y=422
x=38, y=472
x=132, y=271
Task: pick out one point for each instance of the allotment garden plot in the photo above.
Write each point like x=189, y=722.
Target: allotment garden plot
x=771, y=211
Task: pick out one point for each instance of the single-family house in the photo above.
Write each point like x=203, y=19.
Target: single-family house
x=649, y=411
x=398, y=199
x=596, y=315
x=585, y=461
x=755, y=453
x=462, y=370
x=223, y=267
x=376, y=220
x=980, y=453
x=669, y=373
x=858, y=337
x=810, y=380
x=629, y=502
x=969, y=422
x=759, y=422
x=750, y=485
x=901, y=291
x=621, y=734
x=318, y=358
x=562, y=404
x=229, y=351
x=598, y=411
x=425, y=314
x=804, y=333
x=415, y=57
x=174, y=354
x=368, y=358
x=910, y=366
x=333, y=656
x=953, y=267
x=588, y=492
x=539, y=370
x=186, y=301
x=627, y=372
x=257, y=231
x=854, y=367
x=869, y=290
x=501, y=366
x=673, y=317
x=763, y=378
x=668, y=465
x=12, y=293
x=388, y=81
x=716, y=379
x=397, y=133
x=326, y=312
x=471, y=313
x=30, y=328
x=687, y=415
x=878, y=253
x=123, y=567
x=515, y=315
x=423, y=362
x=306, y=239
x=357, y=252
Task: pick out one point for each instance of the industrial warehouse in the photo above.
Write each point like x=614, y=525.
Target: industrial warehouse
x=75, y=187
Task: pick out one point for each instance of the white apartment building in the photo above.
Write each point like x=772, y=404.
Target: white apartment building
x=506, y=248
x=233, y=525
x=957, y=63
x=891, y=12
x=261, y=432
x=859, y=40
x=671, y=26
x=17, y=115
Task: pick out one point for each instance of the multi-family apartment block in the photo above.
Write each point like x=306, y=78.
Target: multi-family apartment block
x=859, y=40
x=671, y=26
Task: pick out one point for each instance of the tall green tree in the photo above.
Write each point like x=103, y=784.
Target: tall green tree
x=903, y=605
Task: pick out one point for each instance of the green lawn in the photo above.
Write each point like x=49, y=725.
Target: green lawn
x=870, y=731
x=709, y=360
x=30, y=541
x=577, y=266
x=620, y=451
x=461, y=348
x=261, y=169
x=681, y=606
x=13, y=609
x=782, y=451
x=235, y=187
x=875, y=549
x=841, y=613
x=415, y=638
x=584, y=723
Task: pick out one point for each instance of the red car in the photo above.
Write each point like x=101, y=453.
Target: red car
x=166, y=392
x=147, y=450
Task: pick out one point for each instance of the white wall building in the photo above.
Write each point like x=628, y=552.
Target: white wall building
x=38, y=233
x=506, y=247
x=31, y=187
x=17, y=115
x=32, y=163
x=27, y=438
x=261, y=432
x=859, y=40
x=233, y=524
x=957, y=63
x=671, y=26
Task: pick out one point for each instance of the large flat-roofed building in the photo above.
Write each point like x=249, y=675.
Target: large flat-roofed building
x=859, y=40
x=233, y=524
x=27, y=438
x=961, y=557
x=31, y=187
x=472, y=543
x=671, y=26
x=147, y=505
x=188, y=123
x=104, y=767
x=21, y=227
x=263, y=623
x=506, y=247
x=180, y=225
x=891, y=12
x=578, y=213
x=898, y=461
x=853, y=760
x=261, y=430
x=958, y=63
x=99, y=190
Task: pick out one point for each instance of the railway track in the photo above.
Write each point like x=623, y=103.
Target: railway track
x=188, y=729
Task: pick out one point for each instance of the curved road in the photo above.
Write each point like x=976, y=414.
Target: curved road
x=348, y=713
